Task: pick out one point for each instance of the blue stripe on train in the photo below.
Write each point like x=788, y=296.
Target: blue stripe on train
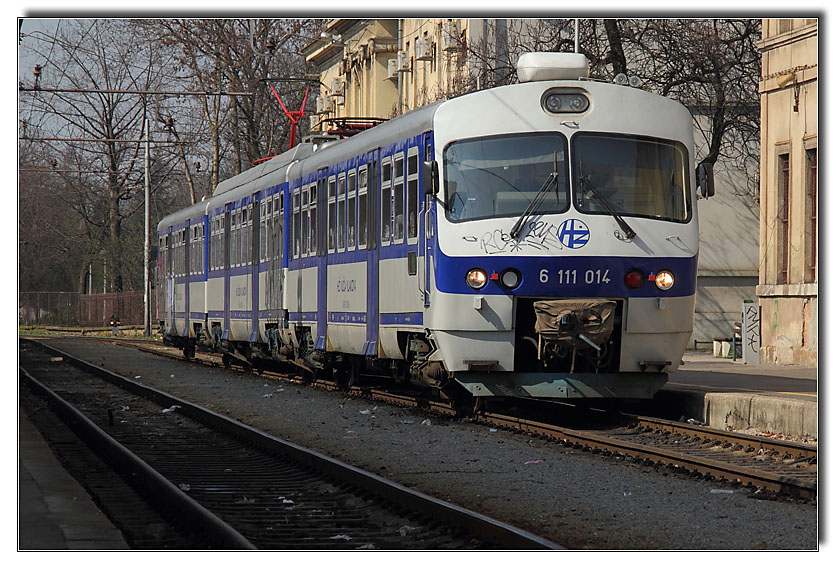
x=575, y=276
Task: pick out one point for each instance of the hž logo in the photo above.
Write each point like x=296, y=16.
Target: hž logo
x=573, y=233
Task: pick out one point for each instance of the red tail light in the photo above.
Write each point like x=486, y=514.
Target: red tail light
x=634, y=278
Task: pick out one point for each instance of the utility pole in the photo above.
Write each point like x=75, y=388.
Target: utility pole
x=147, y=253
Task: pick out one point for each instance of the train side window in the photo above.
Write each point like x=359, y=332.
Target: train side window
x=332, y=215
x=362, y=207
x=313, y=218
x=386, y=202
x=412, y=194
x=397, y=191
x=341, y=213
x=352, y=210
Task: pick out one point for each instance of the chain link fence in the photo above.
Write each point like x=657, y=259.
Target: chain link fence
x=76, y=309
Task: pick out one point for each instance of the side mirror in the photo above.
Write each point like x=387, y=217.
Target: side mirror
x=705, y=179
x=429, y=171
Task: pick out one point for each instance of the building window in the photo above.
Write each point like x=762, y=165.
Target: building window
x=783, y=219
x=811, y=221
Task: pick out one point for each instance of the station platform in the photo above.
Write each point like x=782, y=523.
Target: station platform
x=54, y=512
x=725, y=393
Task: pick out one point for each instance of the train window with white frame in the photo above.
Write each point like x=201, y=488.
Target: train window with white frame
x=412, y=194
x=362, y=207
x=332, y=214
x=397, y=194
x=341, y=213
x=386, y=202
x=312, y=242
x=352, y=210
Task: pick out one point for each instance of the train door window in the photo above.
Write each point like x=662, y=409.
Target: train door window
x=193, y=256
x=262, y=230
x=236, y=237
x=386, y=202
x=412, y=195
x=332, y=215
x=201, y=257
x=297, y=225
x=397, y=194
x=278, y=225
x=226, y=220
x=305, y=222
x=242, y=258
x=362, y=206
x=341, y=213
x=312, y=214
x=352, y=210
x=249, y=235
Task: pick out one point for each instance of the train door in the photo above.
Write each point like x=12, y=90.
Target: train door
x=169, y=281
x=187, y=258
x=428, y=225
x=369, y=180
x=255, y=248
x=412, y=213
x=226, y=264
x=319, y=249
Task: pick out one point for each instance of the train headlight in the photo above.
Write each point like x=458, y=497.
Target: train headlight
x=553, y=103
x=664, y=280
x=563, y=101
x=634, y=278
x=510, y=278
x=578, y=103
x=476, y=278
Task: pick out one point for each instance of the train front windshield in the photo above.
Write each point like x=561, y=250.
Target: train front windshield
x=630, y=175
x=499, y=176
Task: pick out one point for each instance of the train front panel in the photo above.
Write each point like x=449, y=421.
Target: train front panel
x=566, y=241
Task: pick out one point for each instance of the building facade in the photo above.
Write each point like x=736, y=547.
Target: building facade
x=788, y=268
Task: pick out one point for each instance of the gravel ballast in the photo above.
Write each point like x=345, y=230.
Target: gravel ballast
x=578, y=499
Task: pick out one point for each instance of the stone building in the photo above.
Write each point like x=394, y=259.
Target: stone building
x=788, y=268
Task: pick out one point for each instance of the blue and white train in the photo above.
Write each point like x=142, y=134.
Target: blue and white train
x=532, y=240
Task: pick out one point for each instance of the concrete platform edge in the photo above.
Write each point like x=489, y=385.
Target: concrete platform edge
x=741, y=411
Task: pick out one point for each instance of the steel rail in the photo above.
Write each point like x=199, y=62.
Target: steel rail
x=509, y=536
x=155, y=484
x=718, y=469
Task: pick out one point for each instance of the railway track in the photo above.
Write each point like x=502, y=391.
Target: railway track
x=781, y=467
x=238, y=488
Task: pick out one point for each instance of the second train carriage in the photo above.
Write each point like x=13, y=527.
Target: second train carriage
x=531, y=240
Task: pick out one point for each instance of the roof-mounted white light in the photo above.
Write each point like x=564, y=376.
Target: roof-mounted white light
x=548, y=66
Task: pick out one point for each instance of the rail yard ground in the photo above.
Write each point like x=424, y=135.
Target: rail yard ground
x=575, y=498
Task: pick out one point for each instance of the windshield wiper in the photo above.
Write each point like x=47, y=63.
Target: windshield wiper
x=535, y=203
x=628, y=231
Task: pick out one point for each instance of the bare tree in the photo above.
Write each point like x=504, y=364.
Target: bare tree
x=712, y=66
x=90, y=72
